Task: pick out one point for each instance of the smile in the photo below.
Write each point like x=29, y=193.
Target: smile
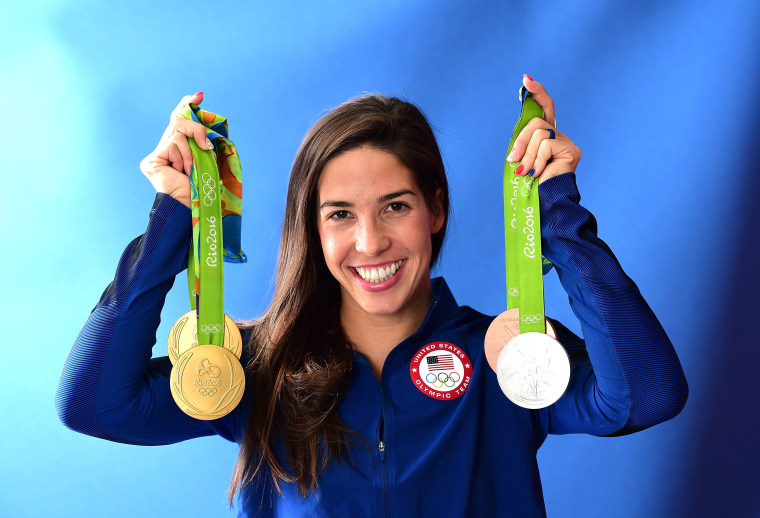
x=379, y=274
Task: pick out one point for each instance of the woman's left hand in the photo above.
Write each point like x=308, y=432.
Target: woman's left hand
x=539, y=155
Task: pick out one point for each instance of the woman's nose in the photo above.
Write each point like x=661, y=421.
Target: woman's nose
x=371, y=239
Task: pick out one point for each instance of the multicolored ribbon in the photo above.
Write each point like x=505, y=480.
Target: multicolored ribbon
x=228, y=164
x=216, y=197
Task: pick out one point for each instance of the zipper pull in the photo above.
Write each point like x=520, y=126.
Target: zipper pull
x=381, y=448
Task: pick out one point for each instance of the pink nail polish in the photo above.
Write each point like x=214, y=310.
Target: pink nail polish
x=529, y=78
x=198, y=93
x=519, y=170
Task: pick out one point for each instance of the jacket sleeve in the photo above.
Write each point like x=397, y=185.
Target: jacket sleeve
x=625, y=374
x=110, y=387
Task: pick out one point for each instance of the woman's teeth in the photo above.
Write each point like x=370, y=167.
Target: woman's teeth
x=379, y=274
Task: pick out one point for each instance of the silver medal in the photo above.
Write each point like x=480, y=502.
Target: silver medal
x=533, y=370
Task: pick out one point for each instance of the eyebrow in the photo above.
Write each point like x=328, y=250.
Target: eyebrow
x=381, y=199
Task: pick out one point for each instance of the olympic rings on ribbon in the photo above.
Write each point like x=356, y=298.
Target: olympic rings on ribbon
x=211, y=328
x=514, y=292
x=532, y=319
x=209, y=189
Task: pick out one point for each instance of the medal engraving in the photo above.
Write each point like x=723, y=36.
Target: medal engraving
x=184, y=335
x=207, y=382
x=533, y=370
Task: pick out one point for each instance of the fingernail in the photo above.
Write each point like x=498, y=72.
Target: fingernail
x=209, y=144
x=519, y=169
x=198, y=93
x=511, y=155
x=529, y=78
x=530, y=173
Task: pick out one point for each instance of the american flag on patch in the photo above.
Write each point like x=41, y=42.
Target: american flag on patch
x=440, y=362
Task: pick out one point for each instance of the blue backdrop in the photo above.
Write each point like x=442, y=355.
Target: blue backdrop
x=661, y=97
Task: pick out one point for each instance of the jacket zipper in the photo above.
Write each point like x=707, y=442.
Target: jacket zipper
x=381, y=446
x=384, y=489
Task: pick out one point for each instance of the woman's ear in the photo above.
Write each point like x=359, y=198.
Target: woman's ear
x=438, y=216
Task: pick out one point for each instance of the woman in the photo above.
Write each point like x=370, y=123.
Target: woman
x=337, y=419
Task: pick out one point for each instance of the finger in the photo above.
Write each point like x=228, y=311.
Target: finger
x=201, y=138
x=543, y=99
x=195, y=98
x=177, y=112
x=528, y=162
x=180, y=142
x=565, y=158
x=543, y=155
x=195, y=130
x=176, y=160
x=522, y=140
x=189, y=129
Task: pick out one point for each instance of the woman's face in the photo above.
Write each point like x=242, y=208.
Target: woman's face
x=375, y=228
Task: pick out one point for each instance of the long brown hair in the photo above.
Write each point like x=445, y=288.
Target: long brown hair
x=299, y=360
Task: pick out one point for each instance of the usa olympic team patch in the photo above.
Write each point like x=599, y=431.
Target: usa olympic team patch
x=441, y=370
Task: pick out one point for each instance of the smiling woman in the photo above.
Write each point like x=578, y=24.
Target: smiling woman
x=368, y=392
x=375, y=228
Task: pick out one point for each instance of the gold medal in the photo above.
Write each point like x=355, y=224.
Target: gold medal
x=184, y=335
x=207, y=382
x=503, y=328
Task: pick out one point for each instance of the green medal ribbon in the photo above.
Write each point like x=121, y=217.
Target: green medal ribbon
x=522, y=234
x=216, y=201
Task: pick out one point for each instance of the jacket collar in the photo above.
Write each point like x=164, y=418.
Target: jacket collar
x=443, y=307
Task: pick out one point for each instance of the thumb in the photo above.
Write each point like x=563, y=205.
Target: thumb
x=543, y=99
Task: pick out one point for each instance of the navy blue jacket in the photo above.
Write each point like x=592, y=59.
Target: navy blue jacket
x=426, y=452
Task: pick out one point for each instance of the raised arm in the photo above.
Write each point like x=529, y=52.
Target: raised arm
x=633, y=379
x=625, y=373
x=110, y=387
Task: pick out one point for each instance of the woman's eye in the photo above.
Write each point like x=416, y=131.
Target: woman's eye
x=396, y=206
x=340, y=214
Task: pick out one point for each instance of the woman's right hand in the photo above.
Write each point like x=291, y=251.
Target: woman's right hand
x=168, y=166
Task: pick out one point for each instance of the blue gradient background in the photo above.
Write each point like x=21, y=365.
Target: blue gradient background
x=660, y=96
